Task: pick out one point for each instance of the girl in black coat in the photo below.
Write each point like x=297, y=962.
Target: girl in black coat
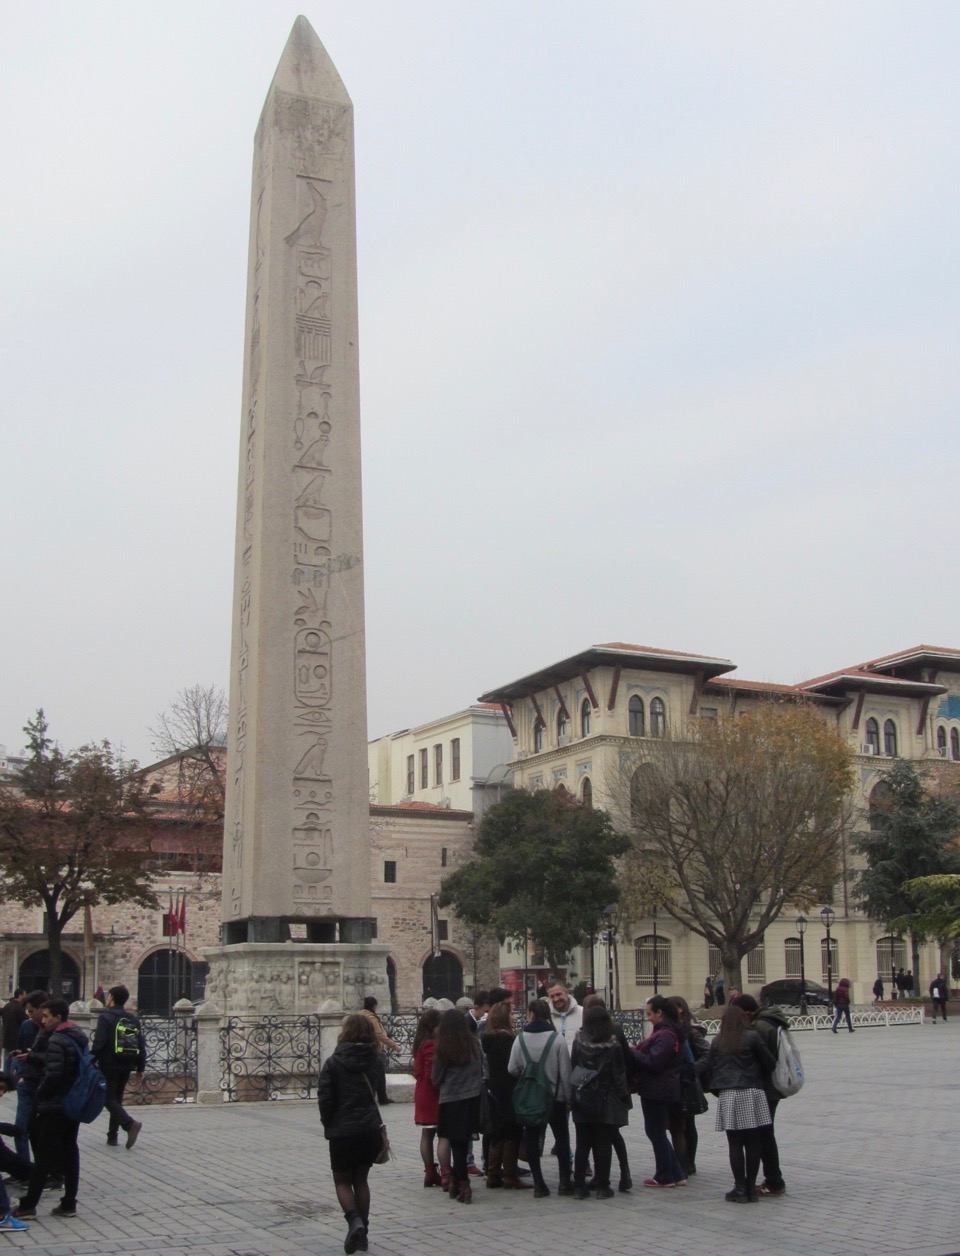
x=346, y=1094
x=602, y=1106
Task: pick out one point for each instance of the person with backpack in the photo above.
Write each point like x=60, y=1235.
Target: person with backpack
x=541, y=1063
x=658, y=1061
x=599, y=1100
x=734, y=1069
x=119, y=1050
x=458, y=1075
x=768, y=1021
x=54, y=1133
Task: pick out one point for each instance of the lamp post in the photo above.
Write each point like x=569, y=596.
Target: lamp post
x=801, y=929
x=656, y=970
x=827, y=915
x=608, y=937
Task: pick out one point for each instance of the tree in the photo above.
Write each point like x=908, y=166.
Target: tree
x=70, y=835
x=913, y=835
x=543, y=866
x=194, y=730
x=733, y=820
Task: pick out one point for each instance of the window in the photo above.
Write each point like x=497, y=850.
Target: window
x=562, y=728
x=891, y=954
x=890, y=739
x=658, y=718
x=954, y=744
x=443, y=933
x=791, y=957
x=538, y=731
x=411, y=778
x=834, y=956
x=942, y=740
x=714, y=962
x=585, y=718
x=872, y=734
x=635, y=710
x=757, y=964
x=424, y=769
x=644, y=956
x=455, y=759
x=586, y=793
x=390, y=871
x=167, y=930
x=438, y=764
x=443, y=856
x=708, y=713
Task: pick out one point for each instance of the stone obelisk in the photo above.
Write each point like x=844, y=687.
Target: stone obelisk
x=296, y=836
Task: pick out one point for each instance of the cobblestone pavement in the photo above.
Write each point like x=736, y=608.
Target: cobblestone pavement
x=869, y=1150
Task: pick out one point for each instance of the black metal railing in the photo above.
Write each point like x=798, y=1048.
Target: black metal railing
x=401, y=1029
x=269, y=1057
x=171, y=1075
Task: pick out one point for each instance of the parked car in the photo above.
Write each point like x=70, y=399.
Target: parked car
x=786, y=993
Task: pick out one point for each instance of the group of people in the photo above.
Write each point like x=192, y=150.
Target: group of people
x=476, y=1078
x=42, y=1057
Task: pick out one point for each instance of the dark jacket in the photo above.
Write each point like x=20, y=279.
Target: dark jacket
x=31, y=1069
x=104, y=1043
x=745, y=1069
x=657, y=1060
x=13, y=1014
x=60, y=1065
x=768, y=1022
x=841, y=996
x=346, y=1091
x=607, y=1059
x=496, y=1046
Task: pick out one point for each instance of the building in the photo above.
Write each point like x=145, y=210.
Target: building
x=572, y=722
x=457, y=762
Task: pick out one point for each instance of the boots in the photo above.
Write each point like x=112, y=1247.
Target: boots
x=464, y=1193
x=431, y=1176
x=566, y=1185
x=494, y=1165
x=511, y=1178
x=445, y=1178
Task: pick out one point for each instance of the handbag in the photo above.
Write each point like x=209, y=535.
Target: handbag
x=386, y=1153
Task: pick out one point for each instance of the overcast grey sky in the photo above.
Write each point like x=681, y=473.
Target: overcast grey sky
x=658, y=311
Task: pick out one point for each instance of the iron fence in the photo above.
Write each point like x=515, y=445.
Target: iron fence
x=401, y=1028
x=171, y=1075
x=269, y=1057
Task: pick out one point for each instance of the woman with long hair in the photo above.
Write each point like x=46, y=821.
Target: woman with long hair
x=346, y=1094
x=539, y=1041
x=496, y=1042
x=682, y=1120
x=601, y=1104
x=426, y=1101
x=658, y=1060
x=619, y=1146
x=458, y=1075
x=735, y=1066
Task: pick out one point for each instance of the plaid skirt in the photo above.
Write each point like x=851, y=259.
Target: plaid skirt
x=742, y=1110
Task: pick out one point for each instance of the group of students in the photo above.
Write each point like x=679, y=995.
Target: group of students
x=42, y=1067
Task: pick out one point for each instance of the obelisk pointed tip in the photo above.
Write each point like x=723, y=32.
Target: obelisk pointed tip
x=305, y=68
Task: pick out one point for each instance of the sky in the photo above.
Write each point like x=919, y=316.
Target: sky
x=659, y=311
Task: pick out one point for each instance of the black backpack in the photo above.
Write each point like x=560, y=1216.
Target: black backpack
x=126, y=1039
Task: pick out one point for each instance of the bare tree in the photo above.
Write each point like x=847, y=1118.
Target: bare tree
x=733, y=821
x=193, y=730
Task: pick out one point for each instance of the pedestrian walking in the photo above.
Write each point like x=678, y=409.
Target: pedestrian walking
x=938, y=993
x=841, y=1004
x=119, y=1049
x=346, y=1096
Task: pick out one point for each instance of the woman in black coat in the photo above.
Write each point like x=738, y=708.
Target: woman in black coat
x=601, y=1104
x=505, y=1131
x=346, y=1094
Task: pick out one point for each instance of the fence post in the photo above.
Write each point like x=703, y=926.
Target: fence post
x=208, y=1054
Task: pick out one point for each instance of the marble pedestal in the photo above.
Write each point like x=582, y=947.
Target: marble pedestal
x=295, y=978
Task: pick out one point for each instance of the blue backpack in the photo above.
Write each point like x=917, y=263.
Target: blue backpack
x=85, y=1099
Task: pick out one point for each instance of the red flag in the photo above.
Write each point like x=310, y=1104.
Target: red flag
x=171, y=920
x=182, y=918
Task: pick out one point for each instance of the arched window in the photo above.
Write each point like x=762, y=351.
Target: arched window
x=443, y=977
x=942, y=740
x=658, y=718
x=791, y=957
x=586, y=793
x=954, y=744
x=585, y=718
x=635, y=709
x=644, y=958
x=891, y=954
x=538, y=731
x=834, y=960
x=890, y=738
x=35, y=974
x=163, y=978
x=872, y=735
x=562, y=727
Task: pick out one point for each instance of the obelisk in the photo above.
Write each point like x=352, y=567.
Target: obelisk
x=296, y=835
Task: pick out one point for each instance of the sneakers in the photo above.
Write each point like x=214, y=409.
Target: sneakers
x=657, y=1185
x=474, y=1170
x=133, y=1133
x=10, y=1222
x=64, y=1210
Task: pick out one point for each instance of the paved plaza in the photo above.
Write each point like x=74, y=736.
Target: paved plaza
x=869, y=1150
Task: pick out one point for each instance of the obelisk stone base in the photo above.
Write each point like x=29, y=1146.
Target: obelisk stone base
x=295, y=978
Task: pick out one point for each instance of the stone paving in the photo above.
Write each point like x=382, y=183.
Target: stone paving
x=869, y=1150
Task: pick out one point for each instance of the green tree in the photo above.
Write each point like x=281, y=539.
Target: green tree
x=913, y=834
x=733, y=820
x=543, y=867
x=71, y=835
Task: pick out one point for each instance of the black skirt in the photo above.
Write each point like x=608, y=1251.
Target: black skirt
x=459, y=1120
x=356, y=1152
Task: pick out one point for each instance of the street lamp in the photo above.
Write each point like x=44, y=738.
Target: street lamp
x=827, y=915
x=608, y=937
x=801, y=929
x=656, y=971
